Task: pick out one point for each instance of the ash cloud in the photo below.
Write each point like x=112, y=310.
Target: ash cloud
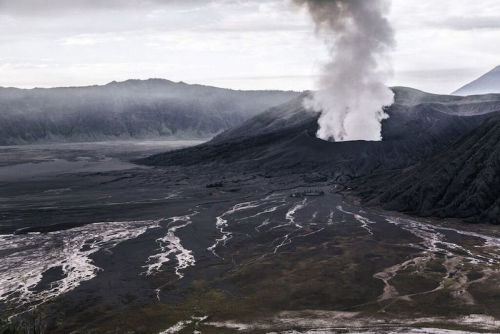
x=351, y=90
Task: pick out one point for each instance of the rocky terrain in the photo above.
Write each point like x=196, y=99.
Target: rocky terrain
x=126, y=110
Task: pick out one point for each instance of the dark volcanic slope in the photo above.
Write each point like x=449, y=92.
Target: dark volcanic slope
x=131, y=109
x=281, y=117
x=488, y=83
x=283, y=138
x=292, y=113
x=461, y=182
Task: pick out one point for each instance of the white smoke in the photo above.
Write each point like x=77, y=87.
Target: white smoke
x=351, y=89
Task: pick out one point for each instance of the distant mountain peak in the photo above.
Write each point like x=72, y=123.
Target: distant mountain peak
x=140, y=82
x=486, y=84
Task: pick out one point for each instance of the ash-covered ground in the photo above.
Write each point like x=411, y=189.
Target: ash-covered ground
x=99, y=245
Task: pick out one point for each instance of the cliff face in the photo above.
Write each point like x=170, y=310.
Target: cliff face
x=462, y=181
x=132, y=109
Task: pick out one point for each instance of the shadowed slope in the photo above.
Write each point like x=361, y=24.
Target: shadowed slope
x=462, y=181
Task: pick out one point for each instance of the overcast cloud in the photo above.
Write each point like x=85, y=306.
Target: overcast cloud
x=38, y=7
x=252, y=44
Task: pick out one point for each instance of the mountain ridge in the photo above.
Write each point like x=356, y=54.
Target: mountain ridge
x=132, y=109
x=127, y=81
x=405, y=97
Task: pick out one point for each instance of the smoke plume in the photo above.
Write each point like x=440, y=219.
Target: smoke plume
x=351, y=90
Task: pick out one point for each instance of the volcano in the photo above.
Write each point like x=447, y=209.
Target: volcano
x=282, y=139
x=486, y=84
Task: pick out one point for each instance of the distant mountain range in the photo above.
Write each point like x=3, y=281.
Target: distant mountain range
x=486, y=84
x=123, y=110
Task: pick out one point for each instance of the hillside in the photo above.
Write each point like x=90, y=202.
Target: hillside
x=122, y=110
x=463, y=181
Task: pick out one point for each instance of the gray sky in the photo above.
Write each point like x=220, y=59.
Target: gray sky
x=244, y=44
